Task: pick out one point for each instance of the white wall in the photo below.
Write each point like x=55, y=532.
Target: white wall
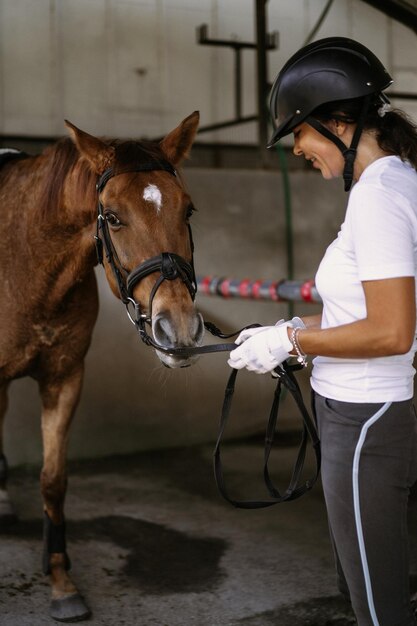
x=133, y=67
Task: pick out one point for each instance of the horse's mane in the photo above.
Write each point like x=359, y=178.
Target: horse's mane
x=63, y=156
x=60, y=158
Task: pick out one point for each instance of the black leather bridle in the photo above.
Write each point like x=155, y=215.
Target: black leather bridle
x=171, y=266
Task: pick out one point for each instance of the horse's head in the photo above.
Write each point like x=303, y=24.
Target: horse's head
x=144, y=214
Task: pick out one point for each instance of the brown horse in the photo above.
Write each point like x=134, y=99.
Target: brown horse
x=48, y=290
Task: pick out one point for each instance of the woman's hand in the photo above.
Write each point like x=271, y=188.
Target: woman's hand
x=263, y=350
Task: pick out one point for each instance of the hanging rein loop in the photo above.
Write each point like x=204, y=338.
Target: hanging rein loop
x=285, y=376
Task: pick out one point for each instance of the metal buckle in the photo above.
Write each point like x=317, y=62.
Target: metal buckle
x=138, y=315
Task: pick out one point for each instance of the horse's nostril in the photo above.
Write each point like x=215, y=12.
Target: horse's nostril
x=162, y=330
x=199, y=328
x=170, y=334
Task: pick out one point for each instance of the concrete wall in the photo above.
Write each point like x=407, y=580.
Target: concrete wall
x=130, y=402
x=133, y=67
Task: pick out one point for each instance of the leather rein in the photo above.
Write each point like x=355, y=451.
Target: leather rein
x=171, y=266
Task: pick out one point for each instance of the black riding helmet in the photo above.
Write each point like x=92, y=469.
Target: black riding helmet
x=329, y=70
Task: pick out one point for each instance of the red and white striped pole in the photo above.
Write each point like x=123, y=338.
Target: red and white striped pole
x=277, y=291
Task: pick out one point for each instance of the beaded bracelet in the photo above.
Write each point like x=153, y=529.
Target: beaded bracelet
x=301, y=356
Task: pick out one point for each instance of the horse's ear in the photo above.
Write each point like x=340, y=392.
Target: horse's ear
x=98, y=154
x=177, y=144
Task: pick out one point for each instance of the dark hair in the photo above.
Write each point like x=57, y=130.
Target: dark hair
x=396, y=132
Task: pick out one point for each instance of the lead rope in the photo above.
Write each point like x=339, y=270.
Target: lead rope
x=285, y=377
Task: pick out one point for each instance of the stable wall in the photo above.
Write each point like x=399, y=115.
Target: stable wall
x=130, y=401
x=133, y=68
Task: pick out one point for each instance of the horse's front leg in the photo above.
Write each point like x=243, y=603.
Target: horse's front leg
x=59, y=401
x=7, y=515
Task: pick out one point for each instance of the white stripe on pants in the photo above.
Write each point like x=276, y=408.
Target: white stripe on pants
x=369, y=461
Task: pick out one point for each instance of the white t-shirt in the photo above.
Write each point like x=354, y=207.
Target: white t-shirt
x=377, y=240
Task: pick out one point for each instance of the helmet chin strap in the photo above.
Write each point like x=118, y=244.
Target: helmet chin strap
x=349, y=154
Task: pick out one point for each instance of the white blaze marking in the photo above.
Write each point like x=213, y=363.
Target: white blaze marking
x=151, y=193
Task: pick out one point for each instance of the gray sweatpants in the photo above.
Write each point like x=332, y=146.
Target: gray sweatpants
x=369, y=462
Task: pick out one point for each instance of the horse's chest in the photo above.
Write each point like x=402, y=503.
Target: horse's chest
x=22, y=352
x=48, y=335
x=40, y=336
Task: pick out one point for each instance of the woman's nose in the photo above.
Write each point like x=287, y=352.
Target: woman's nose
x=296, y=149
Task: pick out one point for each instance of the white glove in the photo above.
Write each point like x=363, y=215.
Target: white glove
x=261, y=352
x=250, y=332
x=297, y=322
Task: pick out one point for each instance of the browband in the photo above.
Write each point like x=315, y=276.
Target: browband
x=143, y=167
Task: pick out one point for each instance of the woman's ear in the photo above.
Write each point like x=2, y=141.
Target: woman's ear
x=337, y=127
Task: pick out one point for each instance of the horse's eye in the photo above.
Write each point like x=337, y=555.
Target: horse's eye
x=190, y=210
x=113, y=220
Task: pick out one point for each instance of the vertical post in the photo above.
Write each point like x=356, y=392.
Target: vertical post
x=261, y=27
x=238, y=83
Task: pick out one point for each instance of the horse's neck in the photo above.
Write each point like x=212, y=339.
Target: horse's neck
x=71, y=237
x=49, y=252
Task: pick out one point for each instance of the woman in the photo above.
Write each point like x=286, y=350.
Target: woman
x=329, y=95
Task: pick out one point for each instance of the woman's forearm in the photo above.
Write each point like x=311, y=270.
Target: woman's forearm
x=361, y=339
x=387, y=330
x=312, y=321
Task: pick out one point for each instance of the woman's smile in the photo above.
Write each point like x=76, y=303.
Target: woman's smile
x=318, y=150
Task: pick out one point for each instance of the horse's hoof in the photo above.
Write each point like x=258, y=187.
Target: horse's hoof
x=69, y=609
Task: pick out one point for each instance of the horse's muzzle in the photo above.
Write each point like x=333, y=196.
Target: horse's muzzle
x=186, y=331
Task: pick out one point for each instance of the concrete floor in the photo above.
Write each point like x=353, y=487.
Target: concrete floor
x=153, y=544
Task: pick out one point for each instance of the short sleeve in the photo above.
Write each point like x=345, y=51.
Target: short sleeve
x=383, y=233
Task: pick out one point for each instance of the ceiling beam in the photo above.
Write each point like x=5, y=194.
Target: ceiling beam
x=400, y=10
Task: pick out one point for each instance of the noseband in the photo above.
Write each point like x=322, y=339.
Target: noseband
x=170, y=265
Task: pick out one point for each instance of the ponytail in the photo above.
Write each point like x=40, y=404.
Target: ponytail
x=397, y=134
